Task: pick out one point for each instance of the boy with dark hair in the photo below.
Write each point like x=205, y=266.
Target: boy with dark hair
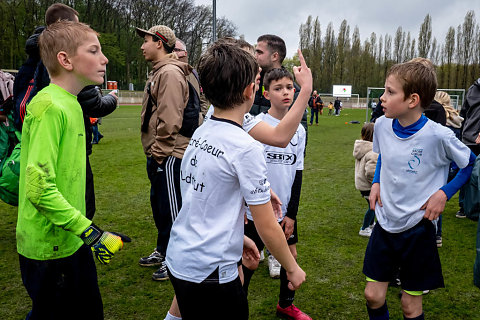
x=409, y=190
x=53, y=234
x=285, y=166
x=276, y=46
x=60, y=11
x=223, y=168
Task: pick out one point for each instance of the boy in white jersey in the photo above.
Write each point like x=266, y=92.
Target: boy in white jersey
x=409, y=191
x=285, y=166
x=223, y=168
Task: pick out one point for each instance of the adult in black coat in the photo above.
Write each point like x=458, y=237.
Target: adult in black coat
x=436, y=112
x=94, y=105
x=471, y=113
x=377, y=112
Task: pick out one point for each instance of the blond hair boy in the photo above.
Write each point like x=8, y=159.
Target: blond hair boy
x=53, y=234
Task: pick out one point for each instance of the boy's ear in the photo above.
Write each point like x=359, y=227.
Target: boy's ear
x=414, y=100
x=266, y=94
x=249, y=91
x=64, y=61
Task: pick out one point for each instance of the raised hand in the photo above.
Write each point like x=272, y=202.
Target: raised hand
x=303, y=74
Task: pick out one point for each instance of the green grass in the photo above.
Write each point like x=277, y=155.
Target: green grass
x=330, y=250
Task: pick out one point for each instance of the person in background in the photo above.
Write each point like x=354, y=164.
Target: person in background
x=365, y=162
x=315, y=102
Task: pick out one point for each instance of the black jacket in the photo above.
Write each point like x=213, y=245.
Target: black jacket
x=436, y=112
x=94, y=105
x=377, y=112
x=471, y=113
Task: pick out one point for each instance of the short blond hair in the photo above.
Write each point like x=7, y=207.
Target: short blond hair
x=61, y=36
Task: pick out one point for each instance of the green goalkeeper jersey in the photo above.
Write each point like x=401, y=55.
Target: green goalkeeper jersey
x=51, y=209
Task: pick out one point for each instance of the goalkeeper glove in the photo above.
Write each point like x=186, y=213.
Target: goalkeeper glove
x=104, y=244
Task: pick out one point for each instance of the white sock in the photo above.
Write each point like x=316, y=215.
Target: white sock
x=170, y=317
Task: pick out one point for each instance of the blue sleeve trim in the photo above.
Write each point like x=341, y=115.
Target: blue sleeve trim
x=376, y=177
x=460, y=179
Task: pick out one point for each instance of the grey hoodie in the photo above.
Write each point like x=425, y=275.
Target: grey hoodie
x=471, y=113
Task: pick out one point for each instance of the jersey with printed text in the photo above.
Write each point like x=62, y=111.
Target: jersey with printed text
x=222, y=169
x=283, y=163
x=412, y=170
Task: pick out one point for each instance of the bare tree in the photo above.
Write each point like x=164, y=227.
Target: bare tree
x=458, y=55
x=425, y=37
x=343, y=45
x=398, y=45
x=329, y=54
x=468, y=32
x=434, y=51
x=387, y=53
x=449, y=50
x=407, y=48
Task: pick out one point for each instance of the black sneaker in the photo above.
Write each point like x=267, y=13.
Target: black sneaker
x=460, y=214
x=161, y=274
x=153, y=260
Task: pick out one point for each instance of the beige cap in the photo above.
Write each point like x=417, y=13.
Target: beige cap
x=164, y=33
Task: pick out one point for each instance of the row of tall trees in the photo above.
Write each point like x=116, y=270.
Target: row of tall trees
x=342, y=58
x=115, y=20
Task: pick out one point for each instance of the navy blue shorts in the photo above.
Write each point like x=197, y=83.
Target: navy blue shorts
x=413, y=253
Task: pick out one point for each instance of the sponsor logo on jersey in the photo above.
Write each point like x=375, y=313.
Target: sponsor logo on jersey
x=280, y=158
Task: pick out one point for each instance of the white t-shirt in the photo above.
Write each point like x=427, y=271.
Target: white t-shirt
x=249, y=121
x=222, y=168
x=412, y=170
x=283, y=163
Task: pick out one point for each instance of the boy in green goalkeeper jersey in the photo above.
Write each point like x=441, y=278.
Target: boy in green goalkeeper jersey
x=54, y=238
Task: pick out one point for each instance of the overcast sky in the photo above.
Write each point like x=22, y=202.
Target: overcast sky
x=283, y=18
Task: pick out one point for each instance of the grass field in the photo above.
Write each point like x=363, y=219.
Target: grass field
x=330, y=249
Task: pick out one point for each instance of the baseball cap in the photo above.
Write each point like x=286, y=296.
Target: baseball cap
x=164, y=33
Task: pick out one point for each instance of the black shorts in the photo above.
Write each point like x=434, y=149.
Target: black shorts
x=412, y=252
x=210, y=299
x=251, y=232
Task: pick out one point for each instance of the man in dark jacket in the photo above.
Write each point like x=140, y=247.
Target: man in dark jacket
x=470, y=130
x=337, y=105
x=34, y=74
x=436, y=112
x=471, y=113
x=316, y=105
x=94, y=105
x=270, y=53
x=377, y=111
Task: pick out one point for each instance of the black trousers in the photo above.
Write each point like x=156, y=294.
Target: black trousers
x=165, y=196
x=210, y=299
x=65, y=288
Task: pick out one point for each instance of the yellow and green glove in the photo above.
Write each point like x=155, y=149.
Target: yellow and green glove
x=104, y=244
